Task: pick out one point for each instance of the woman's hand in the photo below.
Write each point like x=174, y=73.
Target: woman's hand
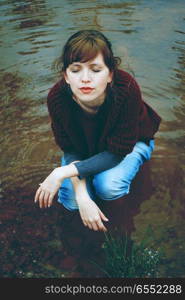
x=48, y=188
x=91, y=215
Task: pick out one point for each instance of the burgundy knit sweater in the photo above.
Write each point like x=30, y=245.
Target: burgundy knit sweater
x=128, y=118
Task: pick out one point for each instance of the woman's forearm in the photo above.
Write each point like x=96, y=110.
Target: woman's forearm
x=90, y=213
x=67, y=171
x=80, y=189
x=97, y=163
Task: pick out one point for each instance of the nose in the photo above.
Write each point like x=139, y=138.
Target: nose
x=85, y=78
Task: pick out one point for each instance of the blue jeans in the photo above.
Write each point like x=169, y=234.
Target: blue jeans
x=110, y=184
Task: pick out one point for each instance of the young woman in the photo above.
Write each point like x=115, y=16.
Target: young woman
x=101, y=123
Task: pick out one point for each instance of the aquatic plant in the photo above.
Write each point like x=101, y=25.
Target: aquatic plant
x=125, y=258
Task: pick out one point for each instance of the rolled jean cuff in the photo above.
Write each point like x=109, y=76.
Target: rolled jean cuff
x=143, y=149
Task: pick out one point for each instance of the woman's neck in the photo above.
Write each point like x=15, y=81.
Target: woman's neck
x=91, y=107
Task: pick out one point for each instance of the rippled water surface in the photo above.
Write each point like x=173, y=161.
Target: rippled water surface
x=149, y=37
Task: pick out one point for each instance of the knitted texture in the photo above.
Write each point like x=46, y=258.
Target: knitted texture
x=128, y=120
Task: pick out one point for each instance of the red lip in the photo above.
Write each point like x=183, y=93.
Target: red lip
x=86, y=90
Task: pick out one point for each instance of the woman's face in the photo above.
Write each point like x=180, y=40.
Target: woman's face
x=88, y=80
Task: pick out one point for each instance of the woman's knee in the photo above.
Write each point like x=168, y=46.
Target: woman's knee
x=69, y=204
x=108, y=188
x=144, y=150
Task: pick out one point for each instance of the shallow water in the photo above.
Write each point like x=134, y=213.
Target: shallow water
x=149, y=37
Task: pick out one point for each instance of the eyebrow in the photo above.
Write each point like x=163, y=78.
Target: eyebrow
x=79, y=64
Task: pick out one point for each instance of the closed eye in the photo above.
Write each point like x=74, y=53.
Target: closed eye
x=75, y=70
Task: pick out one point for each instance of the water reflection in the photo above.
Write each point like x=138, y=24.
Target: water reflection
x=32, y=33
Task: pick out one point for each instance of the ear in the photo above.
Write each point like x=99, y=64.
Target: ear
x=110, y=77
x=66, y=77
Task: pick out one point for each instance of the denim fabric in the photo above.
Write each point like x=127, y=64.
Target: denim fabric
x=110, y=184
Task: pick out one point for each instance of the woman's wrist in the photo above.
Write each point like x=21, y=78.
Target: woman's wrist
x=80, y=189
x=66, y=171
x=79, y=185
x=82, y=195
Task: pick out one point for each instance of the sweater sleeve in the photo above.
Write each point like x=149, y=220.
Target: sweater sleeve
x=69, y=157
x=126, y=132
x=54, y=105
x=97, y=163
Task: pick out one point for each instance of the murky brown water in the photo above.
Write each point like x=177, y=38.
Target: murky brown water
x=149, y=37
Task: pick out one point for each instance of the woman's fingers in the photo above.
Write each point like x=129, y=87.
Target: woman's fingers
x=104, y=218
x=83, y=220
x=48, y=188
x=95, y=225
x=89, y=225
x=46, y=199
x=101, y=226
x=41, y=199
x=50, y=200
x=37, y=194
x=98, y=225
x=92, y=216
